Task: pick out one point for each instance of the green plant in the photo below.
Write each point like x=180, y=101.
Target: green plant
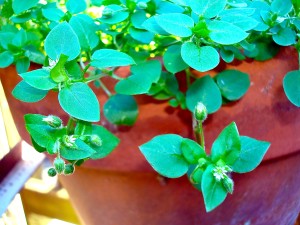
x=80, y=42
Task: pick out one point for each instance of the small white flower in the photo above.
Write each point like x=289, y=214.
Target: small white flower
x=52, y=63
x=70, y=141
x=219, y=172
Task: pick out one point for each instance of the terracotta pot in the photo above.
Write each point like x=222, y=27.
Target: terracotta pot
x=123, y=189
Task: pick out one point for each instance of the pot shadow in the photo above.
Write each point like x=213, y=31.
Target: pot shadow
x=285, y=112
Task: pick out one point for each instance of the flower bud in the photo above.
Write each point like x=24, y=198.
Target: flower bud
x=96, y=140
x=59, y=165
x=69, y=169
x=107, y=13
x=200, y=112
x=53, y=121
x=51, y=172
x=228, y=184
x=142, y=5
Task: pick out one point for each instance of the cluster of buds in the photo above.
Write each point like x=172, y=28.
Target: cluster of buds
x=60, y=167
x=220, y=174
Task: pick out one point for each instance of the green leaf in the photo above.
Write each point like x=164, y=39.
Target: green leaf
x=296, y=6
x=22, y=18
x=58, y=73
x=206, y=91
x=207, y=9
x=281, y=7
x=165, y=88
x=79, y=101
x=118, y=14
x=237, y=11
x=226, y=55
x=264, y=50
x=213, y=191
x=200, y=58
x=39, y=79
x=121, y=110
x=176, y=23
x=285, y=37
x=76, y=6
x=34, y=55
x=73, y=70
x=80, y=152
x=83, y=127
x=40, y=131
x=109, y=142
x=225, y=33
x=251, y=155
x=36, y=146
x=85, y=29
x=259, y=7
x=143, y=75
x=192, y=151
x=152, y=25
x=62, y=40
x=142, y=36
x=5, y=39
x=6, y=59
x=26, y=93
x=20, y=38
x=227, y=146
x=20, y=6
x=168, y=7
x=164, y=154
x=233, y=84
x=110, y=58
x=173, y=60
x=138, y=18
x=291, y=86
x=22, y=65
x=53, y=14
x=244, y=22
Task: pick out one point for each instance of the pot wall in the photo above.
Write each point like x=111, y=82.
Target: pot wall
x=114, y=194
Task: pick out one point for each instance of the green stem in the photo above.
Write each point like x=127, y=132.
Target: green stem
x=102, y=85
x=71, y=126
x=117, y=77
x=202, y=142
x=94, y=77
x=85, y=69
x=188, y=76
x=199, y=132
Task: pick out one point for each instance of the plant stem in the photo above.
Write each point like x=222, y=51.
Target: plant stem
x=94, y=77
x=102, y=85
x=199, y=132
x=188, y=76
x=117, y=77
x=70, y=125
x=85, y=69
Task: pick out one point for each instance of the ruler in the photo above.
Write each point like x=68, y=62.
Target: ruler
x=18, y=175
